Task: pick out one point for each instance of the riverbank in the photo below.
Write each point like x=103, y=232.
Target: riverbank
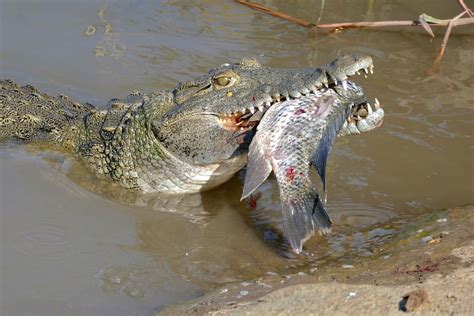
x=426, y=269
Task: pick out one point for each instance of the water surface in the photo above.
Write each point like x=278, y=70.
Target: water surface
x=71, y=244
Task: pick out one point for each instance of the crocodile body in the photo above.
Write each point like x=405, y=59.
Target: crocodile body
x=190, y=139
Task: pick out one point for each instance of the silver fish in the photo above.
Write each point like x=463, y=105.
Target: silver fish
x=293, y=136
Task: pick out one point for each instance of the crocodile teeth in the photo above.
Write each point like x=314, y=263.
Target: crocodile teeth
x=377, y=104
x=335, y=82
x=267, y=104
x=260, y=108
x=344, y=84
x=252, y=110
x=295, y=94
x=366, y=70
x=371, y=70
x=358, y=72
x=369, y=108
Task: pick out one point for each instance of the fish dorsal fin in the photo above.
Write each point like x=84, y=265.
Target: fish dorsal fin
x=258, y=169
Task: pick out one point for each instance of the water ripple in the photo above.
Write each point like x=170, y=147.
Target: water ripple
x=412, y=139
x=44, y=241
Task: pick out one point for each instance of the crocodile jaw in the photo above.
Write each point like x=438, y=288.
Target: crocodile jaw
x=192, y=178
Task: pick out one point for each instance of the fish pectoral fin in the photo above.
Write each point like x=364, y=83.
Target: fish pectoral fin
x=258, y=170
x=320, y=155
x=319, y=159
x=302, y=217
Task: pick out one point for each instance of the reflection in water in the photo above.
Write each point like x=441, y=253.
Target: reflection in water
x=72, y=244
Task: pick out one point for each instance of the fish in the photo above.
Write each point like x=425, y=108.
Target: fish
x=292, y=137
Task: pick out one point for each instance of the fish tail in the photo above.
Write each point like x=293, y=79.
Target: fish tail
x=303, y=216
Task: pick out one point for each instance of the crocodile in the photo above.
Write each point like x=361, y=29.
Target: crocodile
x=188, y=139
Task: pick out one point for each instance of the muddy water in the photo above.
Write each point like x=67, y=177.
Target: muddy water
x=71, y=244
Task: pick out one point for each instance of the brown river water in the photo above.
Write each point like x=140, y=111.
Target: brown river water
x=71, y=244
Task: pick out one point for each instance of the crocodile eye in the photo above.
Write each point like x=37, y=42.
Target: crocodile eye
x=223, y=81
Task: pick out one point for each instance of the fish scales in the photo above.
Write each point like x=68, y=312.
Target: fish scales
x=291, y=137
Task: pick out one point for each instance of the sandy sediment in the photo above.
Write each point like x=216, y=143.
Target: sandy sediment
x=425, y=271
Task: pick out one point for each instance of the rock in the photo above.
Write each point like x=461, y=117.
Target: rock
x=413, y=300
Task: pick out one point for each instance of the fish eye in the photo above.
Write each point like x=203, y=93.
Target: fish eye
x=223, y=81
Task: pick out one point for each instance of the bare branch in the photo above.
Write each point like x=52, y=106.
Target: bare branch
x=425, y=25
x=466, y=8
x=443, y=23
x=445, y=40
x=425, y=21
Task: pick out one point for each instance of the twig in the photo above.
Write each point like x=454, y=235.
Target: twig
x=445, y=40
x=280, y=15
x=321, y=12
x=424, y=21
x=443, y=23
x=466, y=8
x=430, y=20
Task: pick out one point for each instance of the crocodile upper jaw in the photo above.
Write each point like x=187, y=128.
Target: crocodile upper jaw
x=216, y=113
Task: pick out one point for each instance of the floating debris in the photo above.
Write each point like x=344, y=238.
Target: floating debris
x=347, y=266
x=90, y=30
x=244, y=293
x=99, y=51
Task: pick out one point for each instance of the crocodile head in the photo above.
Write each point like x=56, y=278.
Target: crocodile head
x=215, y=115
